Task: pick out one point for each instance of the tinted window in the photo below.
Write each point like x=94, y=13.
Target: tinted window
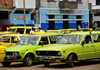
x=28, y=31
x=20, y=30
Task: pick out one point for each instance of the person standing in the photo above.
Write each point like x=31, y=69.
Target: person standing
x=32, y=31
x=95, y=25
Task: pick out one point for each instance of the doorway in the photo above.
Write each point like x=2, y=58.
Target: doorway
x=51, y=23
x=78, y=22
x=65, y=25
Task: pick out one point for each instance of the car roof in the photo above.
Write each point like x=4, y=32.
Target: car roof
x=46, y=34
x=13, y=35
x=84, y=33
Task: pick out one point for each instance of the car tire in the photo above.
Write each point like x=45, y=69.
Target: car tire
x=46, y=64
x=71, y=61
x=6, y=64
x=28, y=60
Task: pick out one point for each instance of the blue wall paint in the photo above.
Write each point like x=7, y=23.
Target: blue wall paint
x=58, y=26
x=45, y=26
x=72, y=25
x=21, y=22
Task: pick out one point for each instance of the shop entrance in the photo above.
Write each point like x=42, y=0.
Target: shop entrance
x=65, y=25
x=51, y=23
x=78, y=22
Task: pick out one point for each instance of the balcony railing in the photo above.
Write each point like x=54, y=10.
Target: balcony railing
x=6, y=2
x=68, y=4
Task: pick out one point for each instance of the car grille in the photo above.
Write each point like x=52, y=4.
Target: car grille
x=9, y=53
x=48, y=53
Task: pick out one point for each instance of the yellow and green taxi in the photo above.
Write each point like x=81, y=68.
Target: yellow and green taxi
x=2, y=53
x=10, y=39
x=21, y=29
x=25, y=50
x=71, y=47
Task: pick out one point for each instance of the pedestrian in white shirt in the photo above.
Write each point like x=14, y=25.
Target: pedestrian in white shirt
x=32, y=31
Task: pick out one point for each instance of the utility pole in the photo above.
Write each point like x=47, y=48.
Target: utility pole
x=24, y=13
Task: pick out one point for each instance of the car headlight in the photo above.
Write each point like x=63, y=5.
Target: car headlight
x=15, y=53
x=59, y=53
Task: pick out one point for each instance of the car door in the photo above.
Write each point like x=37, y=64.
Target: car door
x=5, y=41
x=14, y=40
x=87, y=50
x=97, y=45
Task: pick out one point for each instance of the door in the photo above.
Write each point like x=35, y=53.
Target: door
x=65, y=25
x=87, y=50
x=5, y=41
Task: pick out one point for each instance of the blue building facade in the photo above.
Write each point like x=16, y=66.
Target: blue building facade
x=58, y=19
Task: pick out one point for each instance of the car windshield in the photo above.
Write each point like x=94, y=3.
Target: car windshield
x=70, y=39
x=28, y=40
x=12, y=30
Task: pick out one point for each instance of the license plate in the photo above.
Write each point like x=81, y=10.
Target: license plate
x=45, y=57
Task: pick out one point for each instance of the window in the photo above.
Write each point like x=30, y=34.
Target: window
x=14, y=40
x=53, y=39
x=43, y=41
x=87, y=39
x=94, y=37
x=20, y=30
x=97, y=2
x=5, y=39
x=28, y=31
x=73, y=0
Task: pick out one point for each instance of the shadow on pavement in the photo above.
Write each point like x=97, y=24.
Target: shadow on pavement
x=17, y=65
x=77, y=64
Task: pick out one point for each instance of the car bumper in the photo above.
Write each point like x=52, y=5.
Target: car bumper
x=50, y=58
x=12, y=57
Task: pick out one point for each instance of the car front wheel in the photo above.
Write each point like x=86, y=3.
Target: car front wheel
x=28, y=60
x=71, y=61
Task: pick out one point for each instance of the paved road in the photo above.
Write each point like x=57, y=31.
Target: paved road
x=84, y=65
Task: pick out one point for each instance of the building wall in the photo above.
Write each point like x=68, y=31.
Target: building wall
x=55, y=4
x=59, y=23
x=18, y=20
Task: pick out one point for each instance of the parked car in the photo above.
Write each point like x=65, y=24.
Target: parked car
x=25, y=50
x=71, y=47
x=2, y=53
x=21, y=29
x=10, y=39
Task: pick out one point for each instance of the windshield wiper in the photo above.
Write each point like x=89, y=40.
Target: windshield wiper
x=68, y=43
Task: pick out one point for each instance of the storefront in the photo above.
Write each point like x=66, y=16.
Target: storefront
x=63, y=19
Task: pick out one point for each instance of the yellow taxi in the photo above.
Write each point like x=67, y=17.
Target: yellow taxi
x=21, y=29
x=2, y=53
x=68, y=30
x=10, y=39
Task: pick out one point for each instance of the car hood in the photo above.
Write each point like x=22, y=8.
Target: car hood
x=17, y=47
x=56, y=47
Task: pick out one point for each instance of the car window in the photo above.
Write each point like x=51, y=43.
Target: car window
x=43, y=41
x=98, y=39
x=12, y=29
x=70, y=39
x=87, y=39
x=14, y=40
x=28, y=31
x=5, y=39
x=28, y=40
x=20, y=30
x=59, y=36
x=53, y=39
x=94, y=36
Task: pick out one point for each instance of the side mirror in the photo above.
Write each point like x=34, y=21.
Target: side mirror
x=83, y=43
